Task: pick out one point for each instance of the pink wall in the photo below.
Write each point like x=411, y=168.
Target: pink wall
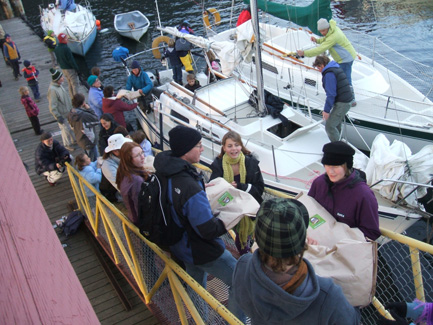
x=37, y=282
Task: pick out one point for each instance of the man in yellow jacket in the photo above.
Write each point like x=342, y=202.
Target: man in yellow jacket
x=338, y=45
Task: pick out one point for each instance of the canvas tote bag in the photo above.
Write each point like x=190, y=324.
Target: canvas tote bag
x=342, y=254
x=231, y=204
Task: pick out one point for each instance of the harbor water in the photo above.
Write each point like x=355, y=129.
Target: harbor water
x=406, y=26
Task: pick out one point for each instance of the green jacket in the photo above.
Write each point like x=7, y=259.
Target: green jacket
x=58, y=100
x=336, y=42
x=65, y=58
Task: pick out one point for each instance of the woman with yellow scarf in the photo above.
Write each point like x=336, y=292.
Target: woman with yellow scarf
x=238, y=167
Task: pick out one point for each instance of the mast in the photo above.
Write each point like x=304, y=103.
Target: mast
x=258, y=57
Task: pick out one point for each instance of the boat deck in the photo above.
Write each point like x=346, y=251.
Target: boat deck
x=80, y=249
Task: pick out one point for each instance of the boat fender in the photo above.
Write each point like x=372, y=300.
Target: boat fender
x=155, y=45
x=211, y=12
x=98, y=24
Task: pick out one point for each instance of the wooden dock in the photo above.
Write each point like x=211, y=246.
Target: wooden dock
x=80, y=248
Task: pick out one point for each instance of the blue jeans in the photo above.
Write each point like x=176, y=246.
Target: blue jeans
x=177, y=74
x=347, y=68
x=222, y=268
x=35, y=91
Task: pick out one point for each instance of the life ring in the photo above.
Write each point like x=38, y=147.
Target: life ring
x=155, y=45
x=215, y=14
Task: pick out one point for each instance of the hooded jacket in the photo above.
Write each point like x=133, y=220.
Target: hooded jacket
x=116, y=107
x=336, y=86
x=45, y=157
x=350, y=201
x=200, y=243
x=83, y=121
x=336, y=42
x=316, y=301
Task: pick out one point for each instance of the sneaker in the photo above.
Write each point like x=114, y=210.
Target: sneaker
x=16, y=78
x=37, y=100
x=354, y=103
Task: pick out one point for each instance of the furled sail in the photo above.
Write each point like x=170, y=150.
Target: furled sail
x=303, y=16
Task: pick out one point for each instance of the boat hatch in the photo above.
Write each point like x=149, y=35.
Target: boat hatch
x=284, y=130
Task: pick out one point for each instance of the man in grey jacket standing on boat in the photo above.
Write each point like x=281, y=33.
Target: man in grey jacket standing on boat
x=60, y=106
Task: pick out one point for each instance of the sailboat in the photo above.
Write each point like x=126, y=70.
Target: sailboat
x=288, y=148
x=79, y=25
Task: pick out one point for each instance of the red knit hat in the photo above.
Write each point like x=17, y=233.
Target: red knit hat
x=63, y=38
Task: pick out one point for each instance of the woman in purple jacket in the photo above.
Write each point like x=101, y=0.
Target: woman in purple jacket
x=343, y=192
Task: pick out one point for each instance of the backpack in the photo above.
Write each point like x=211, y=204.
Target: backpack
x=155, y=212
x=72, y=223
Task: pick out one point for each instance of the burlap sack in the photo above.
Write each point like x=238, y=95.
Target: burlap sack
x=231, y=204
x=342, y=254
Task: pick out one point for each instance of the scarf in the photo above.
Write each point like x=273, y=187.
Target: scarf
x=246, y=226
x=297, y=278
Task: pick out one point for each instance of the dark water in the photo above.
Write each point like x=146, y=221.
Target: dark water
x=406, y=26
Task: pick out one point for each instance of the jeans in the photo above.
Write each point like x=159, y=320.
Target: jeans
x=347, y=68
x=335, y=119
x=222, y=268
x=177, y=74
x=35, y=91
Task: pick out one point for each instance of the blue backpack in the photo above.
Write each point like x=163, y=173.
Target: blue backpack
x=72, y=223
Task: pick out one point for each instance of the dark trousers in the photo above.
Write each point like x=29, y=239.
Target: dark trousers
x=35, y=124
x=15, y=67
x=35, y=91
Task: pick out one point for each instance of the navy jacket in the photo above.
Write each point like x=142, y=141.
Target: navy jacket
x=200, y=243
x=336, y=86
x=45, y=158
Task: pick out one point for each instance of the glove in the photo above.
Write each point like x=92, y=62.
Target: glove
x=60, y=120
x=398, y=320
x=400, y=308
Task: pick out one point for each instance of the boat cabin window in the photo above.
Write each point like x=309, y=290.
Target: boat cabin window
x=310, y=82
x=267, y=66
x=215, y=136
x=179, y=116
x=283, y=131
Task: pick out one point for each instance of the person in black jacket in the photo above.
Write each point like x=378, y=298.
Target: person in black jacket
x=50, y=158
x=338, y=95
x=108, y=125
x=200, y=248
x=238, y=167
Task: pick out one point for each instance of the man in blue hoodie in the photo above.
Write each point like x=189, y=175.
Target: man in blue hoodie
x=139, y=80
x=276, y=285
x=338, y=95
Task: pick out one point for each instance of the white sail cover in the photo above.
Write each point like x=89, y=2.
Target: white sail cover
x=229, y=53
x=396, y=161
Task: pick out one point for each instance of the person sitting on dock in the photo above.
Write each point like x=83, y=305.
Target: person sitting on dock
x=343, y=192
x=200, y=248
x=50, y=158
x=139, y=80
x=276, y=285
x=12, y=55
x=67, y=63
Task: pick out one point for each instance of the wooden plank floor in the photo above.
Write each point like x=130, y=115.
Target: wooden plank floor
x=79, y=249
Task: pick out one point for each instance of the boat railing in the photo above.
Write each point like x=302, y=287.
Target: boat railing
x=404, y=266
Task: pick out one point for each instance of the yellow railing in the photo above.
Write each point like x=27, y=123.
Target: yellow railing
x=114, y=231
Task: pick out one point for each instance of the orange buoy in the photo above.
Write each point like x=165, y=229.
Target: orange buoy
x=98, y=24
